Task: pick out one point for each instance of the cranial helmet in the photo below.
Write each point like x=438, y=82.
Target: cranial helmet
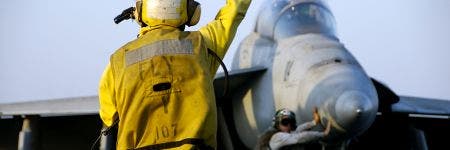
x=283, y=115
x=174, y=13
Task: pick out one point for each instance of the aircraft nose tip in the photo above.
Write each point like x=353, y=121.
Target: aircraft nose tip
x=354, y=111
x=352, y=104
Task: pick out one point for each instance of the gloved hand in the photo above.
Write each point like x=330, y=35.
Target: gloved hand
x=316, y=116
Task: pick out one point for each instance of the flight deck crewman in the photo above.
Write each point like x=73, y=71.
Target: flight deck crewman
x=285, y=134
x=160, y=86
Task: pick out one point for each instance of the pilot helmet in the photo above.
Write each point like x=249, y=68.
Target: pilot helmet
x=174, y=13
x=284, y=116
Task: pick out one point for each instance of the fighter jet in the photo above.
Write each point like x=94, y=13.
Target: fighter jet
x=293, y=59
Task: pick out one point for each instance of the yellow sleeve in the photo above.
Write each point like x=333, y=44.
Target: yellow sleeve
x=106, y=97
x=219, y=33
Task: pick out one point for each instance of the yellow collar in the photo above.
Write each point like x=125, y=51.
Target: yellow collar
x=146, y=29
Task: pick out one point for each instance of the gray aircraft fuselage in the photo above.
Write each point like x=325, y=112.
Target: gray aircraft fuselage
x=307, y=67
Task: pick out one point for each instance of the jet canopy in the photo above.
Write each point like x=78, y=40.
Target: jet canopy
x=287, y=18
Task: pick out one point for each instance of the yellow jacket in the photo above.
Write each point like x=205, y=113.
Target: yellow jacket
x=160, y=85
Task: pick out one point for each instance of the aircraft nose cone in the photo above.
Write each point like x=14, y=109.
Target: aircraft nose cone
x=354, y=111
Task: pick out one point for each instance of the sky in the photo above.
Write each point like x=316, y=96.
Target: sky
x=57, y=49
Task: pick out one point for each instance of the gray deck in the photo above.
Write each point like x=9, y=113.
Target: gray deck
x=55, y=107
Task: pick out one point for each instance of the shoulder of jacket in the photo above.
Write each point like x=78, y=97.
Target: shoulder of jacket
x=128, y=46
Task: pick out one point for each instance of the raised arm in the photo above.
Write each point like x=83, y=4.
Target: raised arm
x=305, y=126
x=219, y=33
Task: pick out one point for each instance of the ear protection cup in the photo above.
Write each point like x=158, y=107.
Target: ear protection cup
x=193, y=12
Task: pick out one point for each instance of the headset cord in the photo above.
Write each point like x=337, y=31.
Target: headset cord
x=225, y=90
x=105, y=131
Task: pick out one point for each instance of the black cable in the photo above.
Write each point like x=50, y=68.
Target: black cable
x=105, y=131
x=96, y=141
x=225, y=90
